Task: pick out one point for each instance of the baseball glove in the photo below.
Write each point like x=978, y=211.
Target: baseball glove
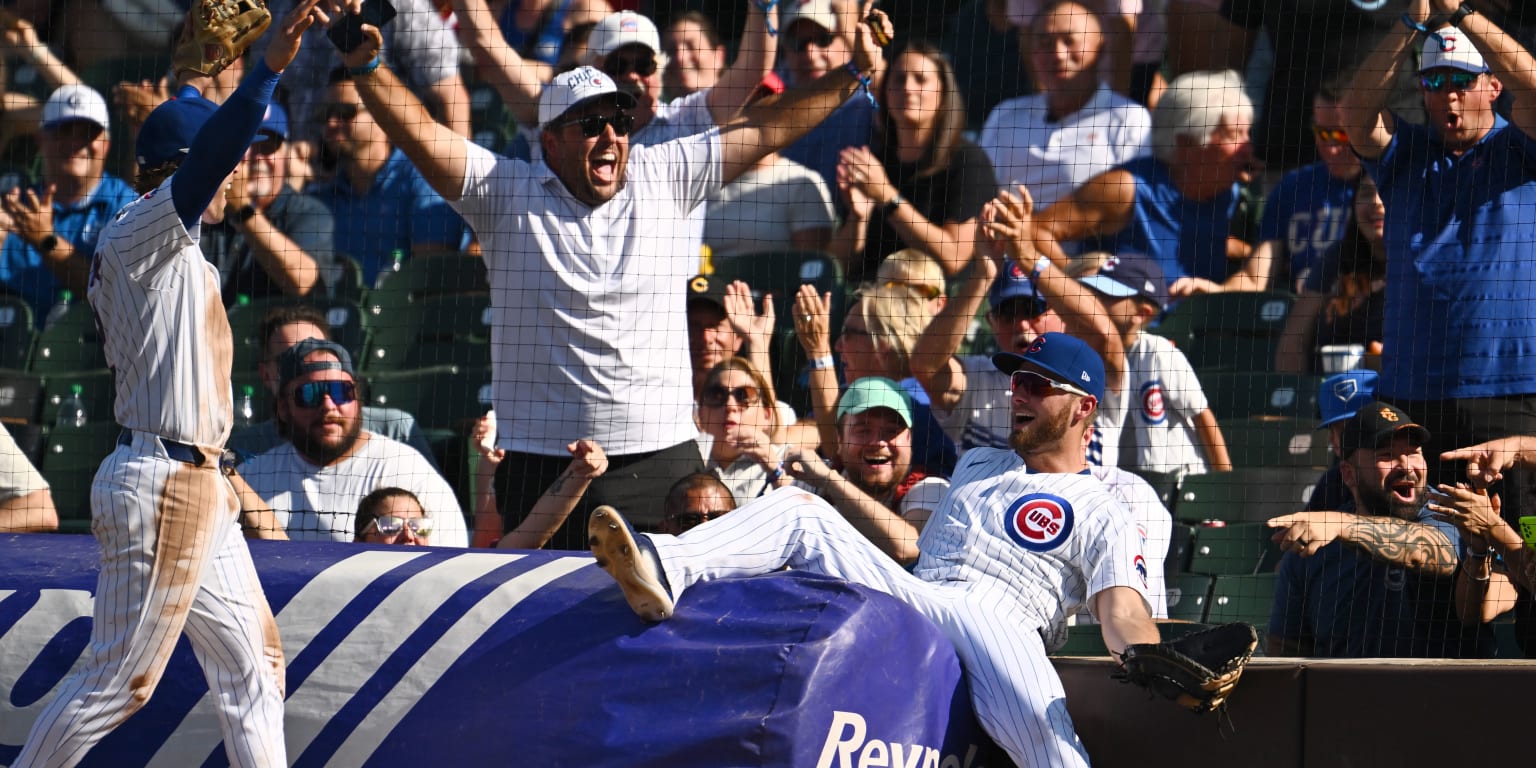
x=217, y=32
x=1198, y=670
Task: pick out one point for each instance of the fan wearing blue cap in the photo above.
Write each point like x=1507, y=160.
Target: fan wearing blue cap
x=56, y=223
x=1456, y=189
x=161, y=504
x=1339, y=397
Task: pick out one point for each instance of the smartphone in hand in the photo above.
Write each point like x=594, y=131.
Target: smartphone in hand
x=346, y=33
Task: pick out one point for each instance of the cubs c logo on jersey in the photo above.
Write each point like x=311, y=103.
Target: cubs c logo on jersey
x=1039, y=522
x=1152, y=408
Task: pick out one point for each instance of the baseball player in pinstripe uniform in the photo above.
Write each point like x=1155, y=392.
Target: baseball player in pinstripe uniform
x=165, y=516
x=1022, y=540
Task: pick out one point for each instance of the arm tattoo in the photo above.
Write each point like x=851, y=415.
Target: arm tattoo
x=1412, y=545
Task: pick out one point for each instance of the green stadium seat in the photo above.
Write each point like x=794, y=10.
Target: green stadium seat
x=1243, y=394
x=97, y=390
x=70, y=460
x=425, y=275
x=348, y=284
x=1242, y=598
x=1245, y=495
x=21, y=396
x=1165, y=483
x=1234, y=331
x=17, y=332
x=70, y=343
x=442, y=398
x=1266, y=441
x=432, y=331
x=1235, y=549
x=1188, y=594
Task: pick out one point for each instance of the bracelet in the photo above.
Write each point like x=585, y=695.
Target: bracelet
x=864, y=82
x=1481, y=555
x=822, y=363
x=1413, y=26
x=765, y=5
x=1041, y=264
x=1462, y=11
x=889, y=207
x=367, y=69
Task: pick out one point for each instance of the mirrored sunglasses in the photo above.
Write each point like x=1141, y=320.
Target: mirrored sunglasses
x=389, y=525
x=1333, y=136
x=313, y=394
x=1438, y=82
x=1040, y=386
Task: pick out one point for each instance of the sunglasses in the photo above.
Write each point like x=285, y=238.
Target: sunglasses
x=619, y=66
x=1439, y=82
x=313, y=394
x=1334, y=136
x=929, y=292
x=686, y=520
x=389, y=525
x=267, y=147
x=821, y=39
x=343, y=112
x=717, y=396
x=592, y=125
x=1039, y=386
x=1020, y=308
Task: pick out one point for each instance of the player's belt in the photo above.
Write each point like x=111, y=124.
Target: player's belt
x=183, y=452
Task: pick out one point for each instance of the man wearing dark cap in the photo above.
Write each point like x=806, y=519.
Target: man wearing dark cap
x=586, y=251
x=173, y=557
x=314, y=481
x=1024, y=538
x=1375, y=578
x=274, y=240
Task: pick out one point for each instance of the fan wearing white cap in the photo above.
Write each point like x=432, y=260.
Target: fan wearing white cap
x=587, y=251
x=1460, y=196
x=627, y=47
x=53, y=227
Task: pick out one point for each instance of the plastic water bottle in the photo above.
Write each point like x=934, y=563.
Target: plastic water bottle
x=396, y=260
x=245, y=407
x=72, y=413
x=59, y=308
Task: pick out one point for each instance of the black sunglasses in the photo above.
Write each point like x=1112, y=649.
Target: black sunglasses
x=313, y=394
x=687, y=520
x=1437, y=82
x=592, y=125
x=821, y=39
x=267, y=146
x=717, y=396
x=619, y=66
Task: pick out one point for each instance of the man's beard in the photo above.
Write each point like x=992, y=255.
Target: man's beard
x=317, y=451
x=1044, y=430
x=1378, y=501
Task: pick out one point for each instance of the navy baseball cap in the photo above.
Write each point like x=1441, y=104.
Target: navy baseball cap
x=1341, y=395
x=1014, y=283
x=1130, y=274
x=1066, y=358
x=1375, y=425
x=169, y=130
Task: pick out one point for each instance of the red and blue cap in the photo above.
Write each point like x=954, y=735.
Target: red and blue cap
x=1065, y=358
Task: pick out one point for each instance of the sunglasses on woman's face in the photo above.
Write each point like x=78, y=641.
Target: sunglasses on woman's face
x=717, y=396
x=389, y=525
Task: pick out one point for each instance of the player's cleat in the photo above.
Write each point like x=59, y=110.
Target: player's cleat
x=631, y=561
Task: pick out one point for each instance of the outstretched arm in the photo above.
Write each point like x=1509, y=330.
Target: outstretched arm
x=1101, y=206
x=1124, y=619
x=588, y=462
x=774, y=123
x=893, y=534
x=754, y=60
x=434, y=149
x=222, y=141
x=1402, y=542
x=933, y=360
x=518, y=81
x=1369, y=129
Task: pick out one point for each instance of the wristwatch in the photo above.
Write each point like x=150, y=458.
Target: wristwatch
x=1462, y=11
x=243, y=213
x=49, y=242
x=889, y=207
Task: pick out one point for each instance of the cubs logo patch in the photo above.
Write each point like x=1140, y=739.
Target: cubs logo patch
x=1153, y=410
x=1141, y=569
x=1039, y=522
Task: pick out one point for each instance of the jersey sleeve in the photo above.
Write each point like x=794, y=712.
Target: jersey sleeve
x=1182, y=392
x=925, y=495
x=812, y=202
x=487, y=181
x=1114, y=558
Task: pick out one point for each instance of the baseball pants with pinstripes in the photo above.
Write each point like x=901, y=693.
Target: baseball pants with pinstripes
x=1014, y=689
x=172, y=559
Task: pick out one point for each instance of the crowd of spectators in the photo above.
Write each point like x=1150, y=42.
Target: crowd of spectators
x=1137, y=156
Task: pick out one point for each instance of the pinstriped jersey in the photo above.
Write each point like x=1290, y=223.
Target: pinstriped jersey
x=1045, y=542
x=167, y=339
